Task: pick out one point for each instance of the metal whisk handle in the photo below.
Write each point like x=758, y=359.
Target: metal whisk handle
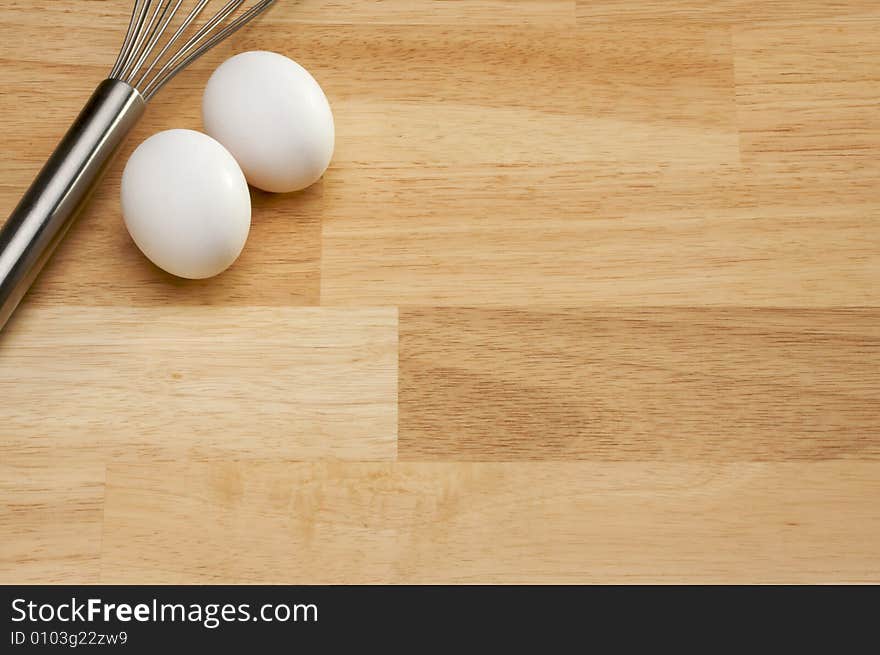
x=62, y=188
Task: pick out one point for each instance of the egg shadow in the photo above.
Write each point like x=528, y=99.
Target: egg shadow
x=279, y=264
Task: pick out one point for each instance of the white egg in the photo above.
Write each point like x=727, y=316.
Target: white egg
x=273, y=117
x=186, y=203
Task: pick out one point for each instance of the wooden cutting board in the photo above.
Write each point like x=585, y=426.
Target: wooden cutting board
x=589, y=293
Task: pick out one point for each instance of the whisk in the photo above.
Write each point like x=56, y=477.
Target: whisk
x=163, y=38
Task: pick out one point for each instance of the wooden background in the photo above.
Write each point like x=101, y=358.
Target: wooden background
x=589, y=293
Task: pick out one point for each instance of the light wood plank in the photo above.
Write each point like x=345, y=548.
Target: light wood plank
x=494, y=193
x=728, y=11
x=82, y=14
x=549, y=238
x=434, y=12
x=51, y=514
x=210, y=383
x=807, y=94
x=530, y=522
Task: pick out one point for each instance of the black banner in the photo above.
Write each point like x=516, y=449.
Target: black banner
x=548, y=619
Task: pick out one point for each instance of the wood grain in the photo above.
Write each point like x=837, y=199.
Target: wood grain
x=588, y=294
x=642, y=184
x=669, y=385
x=203, y=383
x=51, y=516
x=532, y=522
x=724, y=11
x=814, y=103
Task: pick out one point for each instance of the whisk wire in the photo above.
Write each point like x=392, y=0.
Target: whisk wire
x=135, y=45
x=152, y=33
x=126, y=44
x=156, y=34
x=147, y=28
x=194, y=14
x=227, y=9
